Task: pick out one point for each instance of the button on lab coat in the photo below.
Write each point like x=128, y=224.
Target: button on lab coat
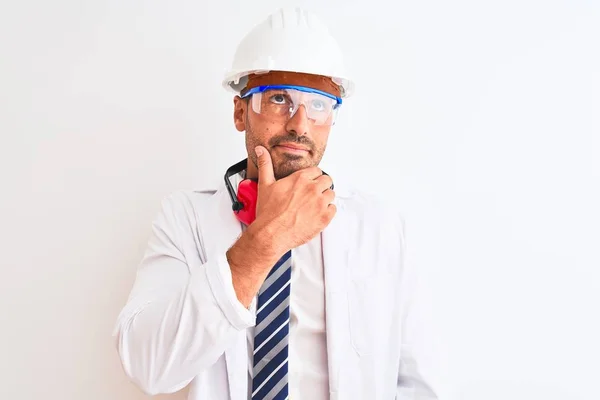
x=182, y=324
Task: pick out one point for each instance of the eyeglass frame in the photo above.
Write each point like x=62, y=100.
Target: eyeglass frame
x=261, y=89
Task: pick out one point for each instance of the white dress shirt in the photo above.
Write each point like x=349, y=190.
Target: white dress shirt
x=307, y=359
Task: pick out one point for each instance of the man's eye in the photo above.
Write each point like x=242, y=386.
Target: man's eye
x=318, y=105
x=278, y=99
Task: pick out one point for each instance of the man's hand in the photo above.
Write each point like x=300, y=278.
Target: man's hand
x=295, y=209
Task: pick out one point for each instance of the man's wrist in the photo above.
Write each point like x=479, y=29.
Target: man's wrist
x=255, y=249
x=250, y=260
x=264, y=240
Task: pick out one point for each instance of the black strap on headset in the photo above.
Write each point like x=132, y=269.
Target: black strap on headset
x=231, y=171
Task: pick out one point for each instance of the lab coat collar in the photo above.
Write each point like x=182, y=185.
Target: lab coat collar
x=219, y=231
x=335, y=264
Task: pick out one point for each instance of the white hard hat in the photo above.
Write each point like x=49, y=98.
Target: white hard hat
x=291, y=40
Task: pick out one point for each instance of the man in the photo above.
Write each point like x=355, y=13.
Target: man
x=298, y=292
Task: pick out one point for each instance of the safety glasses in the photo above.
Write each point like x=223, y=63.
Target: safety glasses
x=280, y=103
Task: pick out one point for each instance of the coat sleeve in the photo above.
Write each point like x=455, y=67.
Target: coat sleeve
x=180, y=316
x=421, y=362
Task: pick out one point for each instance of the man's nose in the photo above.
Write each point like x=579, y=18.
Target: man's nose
x=298, y=123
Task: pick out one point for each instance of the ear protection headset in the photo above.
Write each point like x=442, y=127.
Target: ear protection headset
x=244, y=203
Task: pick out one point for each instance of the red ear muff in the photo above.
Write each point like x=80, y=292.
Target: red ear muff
x=247, y=194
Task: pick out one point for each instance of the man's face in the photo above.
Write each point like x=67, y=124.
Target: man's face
x=294, y=143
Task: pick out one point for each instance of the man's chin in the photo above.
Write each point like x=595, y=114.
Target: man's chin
x=288, y=167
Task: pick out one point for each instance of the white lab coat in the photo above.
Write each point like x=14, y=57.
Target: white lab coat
x=182, y=323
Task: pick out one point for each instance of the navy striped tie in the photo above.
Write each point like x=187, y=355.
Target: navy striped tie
x=270, y=361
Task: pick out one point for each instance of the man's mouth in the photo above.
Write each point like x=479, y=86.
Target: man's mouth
x=293, y=148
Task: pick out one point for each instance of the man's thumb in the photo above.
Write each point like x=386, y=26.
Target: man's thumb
x=265, y=166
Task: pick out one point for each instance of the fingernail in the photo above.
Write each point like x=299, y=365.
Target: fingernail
x=258, y=151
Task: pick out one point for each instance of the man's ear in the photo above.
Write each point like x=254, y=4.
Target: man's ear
x=240, y=108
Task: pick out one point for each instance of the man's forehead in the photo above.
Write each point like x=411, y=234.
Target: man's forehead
x=318, y=82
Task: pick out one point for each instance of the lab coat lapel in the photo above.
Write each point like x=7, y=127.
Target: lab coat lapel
x=335, y=261
x=220, y=231
x=220, y=228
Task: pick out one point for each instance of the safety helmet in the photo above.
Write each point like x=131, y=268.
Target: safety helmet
x=292, y=40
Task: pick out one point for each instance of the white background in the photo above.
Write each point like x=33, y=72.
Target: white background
x=480, y=119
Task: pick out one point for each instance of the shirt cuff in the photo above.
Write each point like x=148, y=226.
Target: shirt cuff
x=220, y=281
